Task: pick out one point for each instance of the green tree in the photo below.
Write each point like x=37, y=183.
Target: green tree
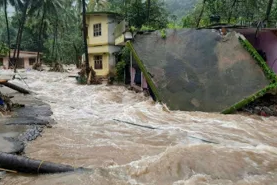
x=4, y=3
x=45, y=8
x=233, y=12
x=98, y=5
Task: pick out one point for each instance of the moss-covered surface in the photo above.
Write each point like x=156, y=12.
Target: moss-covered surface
x=249, y=99
x=261, y=62
x=179, y=76
x=267, y=71
x=145, y=73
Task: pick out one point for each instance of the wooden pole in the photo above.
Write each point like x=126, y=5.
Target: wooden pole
x=85, y=37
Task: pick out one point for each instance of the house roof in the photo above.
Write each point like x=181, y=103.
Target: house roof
x=103, y=13
x=25, y=54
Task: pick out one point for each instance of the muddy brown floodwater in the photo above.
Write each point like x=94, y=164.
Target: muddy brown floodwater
x=188, y=148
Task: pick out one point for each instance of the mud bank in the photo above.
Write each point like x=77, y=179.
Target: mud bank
x=23, y=124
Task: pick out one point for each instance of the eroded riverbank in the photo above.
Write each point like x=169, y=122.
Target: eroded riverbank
x=241, y=149
x=22, y=124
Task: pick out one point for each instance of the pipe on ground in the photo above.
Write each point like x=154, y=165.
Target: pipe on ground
x=25, y=165
x=15, y=87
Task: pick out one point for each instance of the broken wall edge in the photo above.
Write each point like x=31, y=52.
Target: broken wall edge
x=143, y=69
x=270, y=75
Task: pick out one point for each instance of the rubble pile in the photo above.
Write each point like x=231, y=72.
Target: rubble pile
x=264, y=106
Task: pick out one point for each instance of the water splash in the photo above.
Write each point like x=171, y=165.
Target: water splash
x=242, y=148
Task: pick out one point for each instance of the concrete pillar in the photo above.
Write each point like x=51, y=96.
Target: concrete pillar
x=133, y=73
x=26, y=63
x=6, y=62
x=143, y=82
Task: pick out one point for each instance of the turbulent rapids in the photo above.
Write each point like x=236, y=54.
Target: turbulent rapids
x=185, y=148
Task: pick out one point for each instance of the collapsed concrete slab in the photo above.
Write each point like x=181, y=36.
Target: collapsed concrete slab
x=201, y=70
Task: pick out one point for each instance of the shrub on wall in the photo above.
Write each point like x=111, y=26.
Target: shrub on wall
x=4, y=49
x=120, y=69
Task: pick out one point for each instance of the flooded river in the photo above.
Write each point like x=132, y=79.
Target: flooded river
x=187, y=148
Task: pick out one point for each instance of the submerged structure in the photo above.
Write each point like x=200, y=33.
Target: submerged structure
x=201, y=70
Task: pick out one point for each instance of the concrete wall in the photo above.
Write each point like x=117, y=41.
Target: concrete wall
x=26, y=63
x=113, y=49
x=105, y=64
x=111, y=27
x=104, y=44
x=96, y=19
x=267, y=42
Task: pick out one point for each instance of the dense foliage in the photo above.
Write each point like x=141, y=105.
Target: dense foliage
x=247, y=13
x=4, y=49
x=54, y=27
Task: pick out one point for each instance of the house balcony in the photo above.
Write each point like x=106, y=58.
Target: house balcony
x=98, y=49
x=122, y=34
x=123, y=38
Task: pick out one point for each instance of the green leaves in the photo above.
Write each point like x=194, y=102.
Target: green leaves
x=163, y=33
x=232, y=12
x=4, y=49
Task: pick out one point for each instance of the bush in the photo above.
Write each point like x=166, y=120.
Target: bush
x=4, y=49
x=120, y=69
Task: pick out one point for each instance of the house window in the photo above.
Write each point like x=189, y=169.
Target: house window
x=98, y=64
x=97, y=30
x=1, y=61
x=32, y=61
x=20, y=63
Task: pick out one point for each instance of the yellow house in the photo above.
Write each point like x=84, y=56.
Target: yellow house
x=101, y=41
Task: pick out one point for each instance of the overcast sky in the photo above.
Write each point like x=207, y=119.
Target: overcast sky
x=10, y=10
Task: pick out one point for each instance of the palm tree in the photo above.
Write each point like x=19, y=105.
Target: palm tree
x=45, y=7
x=22, y=7
x=231, y=10
x=201, y=14
x=269, y=7
x=4, y=4
x=85, y=37
x=98, y=5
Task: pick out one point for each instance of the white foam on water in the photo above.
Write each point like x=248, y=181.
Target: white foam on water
x=187, y=148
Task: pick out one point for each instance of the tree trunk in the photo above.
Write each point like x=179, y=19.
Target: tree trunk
x=201, y=14
x=148, y=12
x=85, y=37
x=269, y=7
x=231, y=11
x=55, y=38
x=77, y=57
x=8, y=28
x=40, y=34
x=20, y=32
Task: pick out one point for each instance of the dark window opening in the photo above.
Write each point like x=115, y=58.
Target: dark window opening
x=32, y=61
x=97, y=30
x=98, y=64
x=20, y=63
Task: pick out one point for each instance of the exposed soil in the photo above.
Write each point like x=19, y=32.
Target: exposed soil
x=264, y=106
x=22, y=124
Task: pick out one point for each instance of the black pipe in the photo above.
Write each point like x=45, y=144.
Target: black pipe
x=26, y=165
x=15, y=87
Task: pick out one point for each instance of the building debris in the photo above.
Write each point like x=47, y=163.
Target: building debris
x=202, y=70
